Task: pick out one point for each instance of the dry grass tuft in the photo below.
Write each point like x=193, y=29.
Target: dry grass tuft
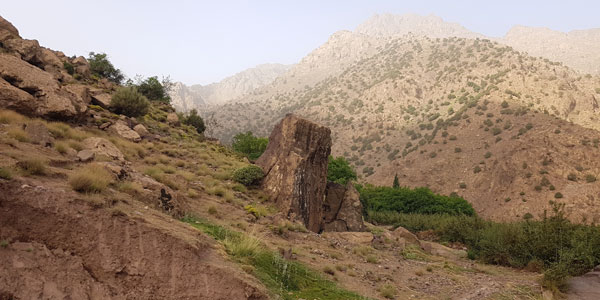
x=92, y=178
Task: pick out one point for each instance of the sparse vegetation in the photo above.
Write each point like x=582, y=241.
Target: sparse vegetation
x=101, y=67
x=288, y=279
x=91, y=178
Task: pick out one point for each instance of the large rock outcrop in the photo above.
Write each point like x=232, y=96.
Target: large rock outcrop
x=342, y=209
x=295, y=166
x=35, y=81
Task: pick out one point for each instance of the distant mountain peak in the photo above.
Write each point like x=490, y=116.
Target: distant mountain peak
x=398, y=25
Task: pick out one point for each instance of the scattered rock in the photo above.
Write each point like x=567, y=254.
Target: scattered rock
x=118, y=171
x=441, y=250
x=104, y=125
x=173, y=119
x=85, y=155
x=165, y=200
x=39, y=134
x=356, y=238
x=403, y=233
x=124, y=131
x=295, y=164
x=104, y=147
x=342, y=210
x=585, y=287
x=141, y=130
x=102, y=100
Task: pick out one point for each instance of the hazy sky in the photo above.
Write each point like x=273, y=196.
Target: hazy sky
x=205, y=41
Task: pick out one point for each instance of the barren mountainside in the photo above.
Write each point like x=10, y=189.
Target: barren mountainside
x=185, y=98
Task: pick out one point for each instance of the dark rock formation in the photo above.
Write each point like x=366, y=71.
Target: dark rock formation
x=342, y=210
x=295, y=166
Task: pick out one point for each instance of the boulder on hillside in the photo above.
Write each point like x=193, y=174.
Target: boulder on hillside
x=403, y=233
x=295, y=166
x=342, y=210
x=6, y=25
x=124, y=131
x=103, y=147
x=32, y=91
x=38, y=133
x=141, y=130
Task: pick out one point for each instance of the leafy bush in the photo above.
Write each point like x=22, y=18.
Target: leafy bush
x=128, y=101
x=418, y=200
x=249, y=145
x=102, y=67
x=69, y=68
x=194, y=120
x=339, y=170
x=249, y=175
x=155, y=90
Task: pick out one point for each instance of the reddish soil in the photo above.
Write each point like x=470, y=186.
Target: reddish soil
x=57, y=246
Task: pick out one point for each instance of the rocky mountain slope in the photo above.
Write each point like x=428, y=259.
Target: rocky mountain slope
x=185, y=98
x=421, y=107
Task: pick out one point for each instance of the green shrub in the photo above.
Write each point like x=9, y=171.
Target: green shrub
x=589, y=178
x=100, y=66
x=558, y=195
x=249, y=175
x=406, y=200
x=249, y=145
x=339, y=170
x=69, y=67
x=155, y=90
x=194, y=120
x=128, y=101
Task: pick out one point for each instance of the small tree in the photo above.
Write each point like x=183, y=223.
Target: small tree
x=128, y=101
x=155, y=90
x=102, y=67
x=249, y=175
x=249, y=145
x=396, y=182
x=194, y=120
x=339, y=170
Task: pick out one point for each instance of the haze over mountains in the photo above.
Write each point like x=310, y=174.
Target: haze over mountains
x=578, y=49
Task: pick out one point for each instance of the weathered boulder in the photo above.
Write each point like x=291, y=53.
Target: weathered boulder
x=586, y=286
x=32, y=91
x=354, y=238
x=141, y=130
x=124, y=131
x=38, y=133
x=6, y=25
x=173, y=119
x=85, y=155
x=82, y=66
x=342, y=210
x=403, y=233
x=441, y=250
x=103, y=147
x=101, y=99
x=295, y=166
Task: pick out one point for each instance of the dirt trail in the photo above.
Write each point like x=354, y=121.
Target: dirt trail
x=59, y=246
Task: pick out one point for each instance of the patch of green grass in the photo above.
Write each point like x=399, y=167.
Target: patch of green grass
x=387, y=291
x=5, y=173
x=286, y=279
